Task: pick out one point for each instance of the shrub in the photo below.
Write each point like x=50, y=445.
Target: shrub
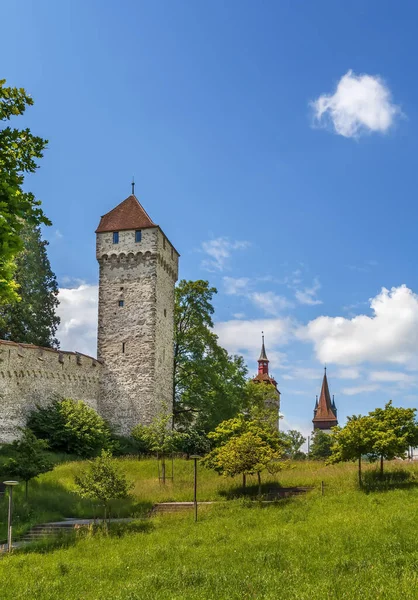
x=71, y=426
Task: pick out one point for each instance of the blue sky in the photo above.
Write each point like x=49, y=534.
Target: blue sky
x=276, y=145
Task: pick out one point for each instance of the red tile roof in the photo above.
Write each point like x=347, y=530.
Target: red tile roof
x=129, y=214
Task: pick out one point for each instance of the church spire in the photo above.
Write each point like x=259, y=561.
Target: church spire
x=263, y=361
x=325, y=412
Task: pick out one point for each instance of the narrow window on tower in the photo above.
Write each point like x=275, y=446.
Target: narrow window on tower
x=116, y=237
x=164, y=243
x=165, y=312
x=172, y=252
x=138, y=236
x=123, y=347
x=121, y=303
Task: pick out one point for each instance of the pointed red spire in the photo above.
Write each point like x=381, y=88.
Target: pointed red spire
x=263, y=361
x=325, y=413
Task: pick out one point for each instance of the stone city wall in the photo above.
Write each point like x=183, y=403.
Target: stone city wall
x=31, y=375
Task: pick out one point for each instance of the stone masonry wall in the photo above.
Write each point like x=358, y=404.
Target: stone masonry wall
x=130, y=272
x=30, y=375
x=167, y=273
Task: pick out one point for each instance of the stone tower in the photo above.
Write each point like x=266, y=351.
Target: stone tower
x=325, y=411
x=263, y=376
x=138, y=270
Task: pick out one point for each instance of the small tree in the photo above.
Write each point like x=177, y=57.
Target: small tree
x=159, y=437
x=29, y=459
x=243, y=455
x=192, y=441
x=102, y=482
x=71, y=426
x=320, y=448
x=295, y=440
x=353, y=441
x=395, y=430
x=228, y=451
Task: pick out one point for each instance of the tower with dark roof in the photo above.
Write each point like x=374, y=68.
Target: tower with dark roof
x=263, y=375
x=138, y=269
x=325, y=411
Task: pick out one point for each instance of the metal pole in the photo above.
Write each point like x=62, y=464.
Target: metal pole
x=9, y=520
x=195, y=490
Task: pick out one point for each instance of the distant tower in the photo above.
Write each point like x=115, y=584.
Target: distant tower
x=138, y=270
x=325, y=411
x=263, y=374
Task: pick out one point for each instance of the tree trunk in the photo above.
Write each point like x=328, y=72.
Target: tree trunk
x=105, y=516
x=259, y=483
x=359, y=472
x=26, y=490
x=381, y=466
x=244, y=482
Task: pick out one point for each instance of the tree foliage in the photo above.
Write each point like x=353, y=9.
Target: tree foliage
x=70, y=426
x=353, y=441
x=103, y=482
x=320, y=447
x=295, y=441
x=29, y=460
x=19, y=152
x=395, y=430
x=209, y=385
x=33, y=320
x=245, y=445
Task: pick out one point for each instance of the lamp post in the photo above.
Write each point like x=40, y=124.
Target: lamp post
x=195, y=458
x=10, y=485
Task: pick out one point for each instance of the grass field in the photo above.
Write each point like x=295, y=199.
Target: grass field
x=345, y=544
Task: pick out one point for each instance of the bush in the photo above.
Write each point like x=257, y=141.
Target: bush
x=71, y=426
x=128, y=446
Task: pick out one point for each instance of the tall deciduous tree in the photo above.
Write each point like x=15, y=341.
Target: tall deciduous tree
x=33, y=320
x=295, y=441
x=209, y=385
x=19, y=151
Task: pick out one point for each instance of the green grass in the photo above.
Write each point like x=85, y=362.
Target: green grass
x=346, y=544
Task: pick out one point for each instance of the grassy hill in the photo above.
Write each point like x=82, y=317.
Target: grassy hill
x=345, y=544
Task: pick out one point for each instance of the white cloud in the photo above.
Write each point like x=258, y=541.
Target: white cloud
x=308, y=295
x=361, y=389
x=349, y=373
x=236, y=285
x=396, y=376
x=238, y=315
x=244, y=337
x=360, y=104
x=389, y=335
x=78, y=312
x=270, y=302
x=219, y=251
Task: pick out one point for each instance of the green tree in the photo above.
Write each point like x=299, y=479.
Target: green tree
x=395, y=430
x=33, y=320
x=353, y=441
x=70, y=426
x=320, y=447
x=236, y=428
x=29, y=460
x=244, y=455
x=192, y=441
x=19, y=152
x=103, y=482
x=295, y=441
x=209, y=385
x=158, y=437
